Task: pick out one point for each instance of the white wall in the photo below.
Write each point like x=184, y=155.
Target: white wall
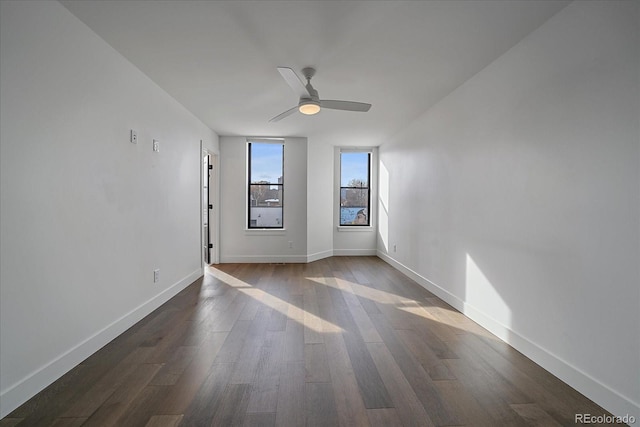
x=86, y=215
x=320, y=194
x=237, y=244
x=516, y=199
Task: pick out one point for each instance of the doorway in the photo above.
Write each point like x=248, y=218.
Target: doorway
x=209, y=208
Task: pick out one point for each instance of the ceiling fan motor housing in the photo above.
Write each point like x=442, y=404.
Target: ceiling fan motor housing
x=309, y=106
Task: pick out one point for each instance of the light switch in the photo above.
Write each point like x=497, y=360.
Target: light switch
x=156, y=145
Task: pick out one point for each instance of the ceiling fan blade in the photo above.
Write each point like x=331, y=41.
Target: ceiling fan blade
x=294, y=82
x=345, y=105
x=285, y=114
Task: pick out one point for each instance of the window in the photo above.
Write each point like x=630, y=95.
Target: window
x=355, y=193
x=266, y=184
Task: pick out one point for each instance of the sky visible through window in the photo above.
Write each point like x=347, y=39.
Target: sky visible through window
x=354, y=166
x=266, y=162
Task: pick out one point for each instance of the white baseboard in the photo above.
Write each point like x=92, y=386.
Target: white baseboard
x=35, y=382
x=262, y=259
x=603, y=395
x=354, y=252
x=319, y=255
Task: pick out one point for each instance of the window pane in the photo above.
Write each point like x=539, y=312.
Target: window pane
x=262, y=217
x=354, y=206
x=266, y=163
x=354, y=169
x=265, y=195
x=354, y=216
x=354, y=198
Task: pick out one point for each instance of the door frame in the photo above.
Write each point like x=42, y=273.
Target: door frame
x=213, y=179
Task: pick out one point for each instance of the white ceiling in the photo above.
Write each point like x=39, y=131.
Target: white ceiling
x=219, y=58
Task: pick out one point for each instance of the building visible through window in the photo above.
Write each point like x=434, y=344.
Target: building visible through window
x=355, y=195
x=266, y=184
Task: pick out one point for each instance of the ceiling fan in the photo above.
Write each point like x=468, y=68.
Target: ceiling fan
x=310, y=103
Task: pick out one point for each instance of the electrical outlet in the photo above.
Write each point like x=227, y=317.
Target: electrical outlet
x=156, y=275
x=394, y=248
x=134, y=137
x=156, y=145
x=290, y=244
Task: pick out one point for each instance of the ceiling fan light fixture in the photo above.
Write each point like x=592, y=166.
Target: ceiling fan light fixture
x=309, y=107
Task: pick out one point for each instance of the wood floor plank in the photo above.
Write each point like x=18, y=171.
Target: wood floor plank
x=234, y=342
x=250, y=309
x=232, y=408
x=467, y=408
x=291, y=405
x=182, y=393
x=205, y=402
x=143, y=407
x=435, y=405
x=225, y=320
x=295, y=310
x=316, y=364
x=68, y=422
x=170, y=338
x=431, y=363
x=278, y=319
x=87, y=404
x=312, y=321
x=349, y=403
x=532, y=414
x=426, y=329
x=164, y=421
x=293, y=342
x=54, y=400
x=264, y=394
x=359, y=314
x=320, y=405
x=438, y=332
x=384, y=417
x=247, y=361
x=486, y=390
x=408, y=406
x=111, y=410
x=175, y=366
x=372, y=389
x=260, y=419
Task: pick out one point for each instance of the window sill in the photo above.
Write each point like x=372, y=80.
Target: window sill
x=366, y=228
x=265, y=231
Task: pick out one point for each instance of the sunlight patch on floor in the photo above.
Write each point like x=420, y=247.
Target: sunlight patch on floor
x=308, y=320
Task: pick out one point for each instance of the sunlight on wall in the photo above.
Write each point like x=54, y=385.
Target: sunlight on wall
x=482, y=295
x=383, y=202
x=306, y=319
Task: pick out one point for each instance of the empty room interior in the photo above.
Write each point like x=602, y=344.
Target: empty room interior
x=321, y=213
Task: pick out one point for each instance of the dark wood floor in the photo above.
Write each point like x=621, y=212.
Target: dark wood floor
x=343, y=341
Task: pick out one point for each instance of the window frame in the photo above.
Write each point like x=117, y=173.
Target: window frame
x=248, y=224
x=369, y=188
